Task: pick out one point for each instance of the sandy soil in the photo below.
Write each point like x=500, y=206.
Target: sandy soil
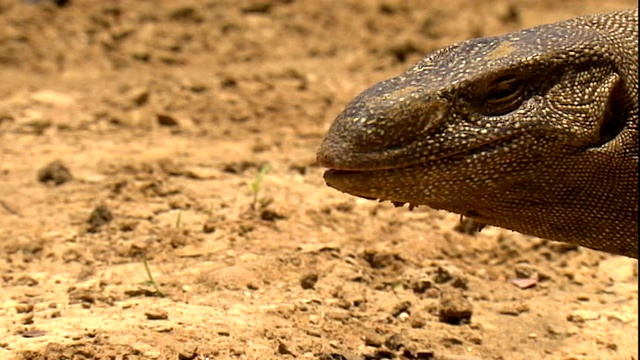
x=181, y=135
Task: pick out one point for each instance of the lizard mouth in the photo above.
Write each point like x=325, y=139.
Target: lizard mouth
x=380, y=183
x=482, y=149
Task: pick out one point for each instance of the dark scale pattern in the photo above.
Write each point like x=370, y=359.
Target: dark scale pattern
x=535, y=131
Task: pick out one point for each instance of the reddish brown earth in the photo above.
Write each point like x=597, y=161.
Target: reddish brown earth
x=164, y=112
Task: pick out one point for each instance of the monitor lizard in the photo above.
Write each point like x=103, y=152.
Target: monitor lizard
x=534, y=131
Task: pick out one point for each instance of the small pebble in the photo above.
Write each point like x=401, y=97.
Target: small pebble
x=55, y=172
x=454, y=308
x=308, y=281
x=157, y=314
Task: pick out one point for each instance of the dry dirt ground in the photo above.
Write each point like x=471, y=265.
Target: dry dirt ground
x=180, y=136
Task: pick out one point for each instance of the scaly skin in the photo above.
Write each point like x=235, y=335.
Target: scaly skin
x=534, y=131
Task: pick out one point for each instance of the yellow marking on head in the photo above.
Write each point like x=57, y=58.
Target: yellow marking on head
x=401, y=92
x=505, y=48
x=395, y=95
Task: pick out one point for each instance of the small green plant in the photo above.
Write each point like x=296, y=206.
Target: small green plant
x=179, y=220
x=151, y=281
x=256, y=186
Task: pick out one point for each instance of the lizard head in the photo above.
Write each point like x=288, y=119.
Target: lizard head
x=491, y=128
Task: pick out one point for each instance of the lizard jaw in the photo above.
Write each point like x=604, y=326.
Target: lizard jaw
x=374, y=182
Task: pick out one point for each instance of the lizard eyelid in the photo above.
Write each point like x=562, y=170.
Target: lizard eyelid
x=504, y=96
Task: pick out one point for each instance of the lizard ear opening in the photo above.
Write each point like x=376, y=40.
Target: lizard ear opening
x=613, y=119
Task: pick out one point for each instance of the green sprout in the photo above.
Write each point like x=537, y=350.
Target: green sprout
x=151, y=280
x=179, y=220
x=255, y=188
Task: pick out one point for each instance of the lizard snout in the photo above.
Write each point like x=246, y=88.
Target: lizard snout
x=382, y=128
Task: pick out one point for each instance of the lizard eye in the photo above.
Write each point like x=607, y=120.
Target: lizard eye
x=504, y=96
